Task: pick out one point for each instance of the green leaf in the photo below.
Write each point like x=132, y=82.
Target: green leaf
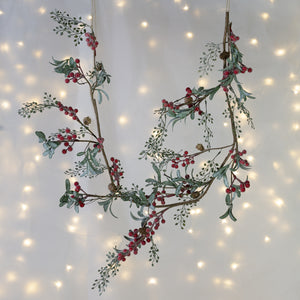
x=41, y=136
x=232, y=217
x=68, y=186
x=156, y=169
x=225, y=215
x=100, y=97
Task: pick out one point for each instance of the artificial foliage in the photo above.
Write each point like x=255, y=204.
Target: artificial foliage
x=178, y=184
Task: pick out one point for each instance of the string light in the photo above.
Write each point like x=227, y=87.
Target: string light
x=1, y=12
x=5, y=105
x=20, y=44
x=143, y=89
x=31, y=287
x=123, y=120
x=228, y=230
x=186, y=8
x=152, y=281
x=144, y=24
x=58, y=284
x=267, y=239
x=280, y=52
x=200, y=264
x=27, y=243
x=268, y=81
x=234, y=266
x=246, y=205
x=189, y=35
x=254, y=42
x=279, y=202
x=99, y=216
x=42, y=10
x=265, y=16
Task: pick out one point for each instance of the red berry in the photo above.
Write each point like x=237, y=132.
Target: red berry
x=188, y=90
x=64, y=151
x=249, y=70
x=67, y=80
x=77, y=60
x=68, y=130
x=74, y=80
x=77, y=75
x=228, y=191
x=231, y=151
x=76, y=183
x=70, y=149
x=74, y=136
x=74, y=118
x=71, y=74
x=244, y=151
x=61, y=109
x=183, y=164
x=233, y=189
x=225, y=89
x=247, y=184
x=81, y=204
x=66, y=144
x=236, y=71
x=163, y=221
x=192, y=162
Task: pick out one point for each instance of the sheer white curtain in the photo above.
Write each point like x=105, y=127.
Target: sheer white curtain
x=47, y=252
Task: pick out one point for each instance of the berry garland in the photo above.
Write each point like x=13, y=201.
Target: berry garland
x=176, y=183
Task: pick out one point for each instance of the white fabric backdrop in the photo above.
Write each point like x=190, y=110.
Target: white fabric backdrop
x=44, y=246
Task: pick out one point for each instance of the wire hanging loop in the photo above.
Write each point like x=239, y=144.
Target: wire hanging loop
x=226, y=38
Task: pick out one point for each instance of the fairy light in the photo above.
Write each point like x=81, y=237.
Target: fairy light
x=296, y=89
x=11, y=276
x=190, y=231
x=5, y=105
x=71, y=228
x=63, y=94
x=191, y=278
x=224, y=221
x=276, y=165
x=42, y=10
x=120, y=3
x=31, y=287
x=144, y=24
x=37, y=158
x=20, y=44
x=196, y=211
x=1, y=12
x=69, y=268
x=27, y=130
x=4, y=47
x=296, y=126
x=27, y=188
x=152, y=281
x=75, y=220
x=265, y=16
x=246, y=205
x=8, y=88
x=38, y=53
x=186, y=8
x=220, y=244
x=19, y=67
x=90, y=17
x=296, y=106
x=143, y=89
x=200, y=264
x=152, y=43
x=202, y=82
x=58, y=284
x=24, y=206
x=267, y=239
x=254, y=42
x=123, y=120
x=189, y=35
x=292, y=76
x=280, y=52
x=225, y=124
x=228, y=230
x=234, y=266
x=20, y=258
x=27, y=243
x=99, y=216
x=268, y=81
x=228, y=283
x=279, y=202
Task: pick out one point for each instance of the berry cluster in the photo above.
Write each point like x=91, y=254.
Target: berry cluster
x=185, y=160
x=142, y=236
x=241, y=68
x=242, y=186
x=237, y=158
x=68, y=110
x=75, y=194
x=116, y=170
x=74, y=77
x=91, y=41
x=68, y=138
x=99, y=145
